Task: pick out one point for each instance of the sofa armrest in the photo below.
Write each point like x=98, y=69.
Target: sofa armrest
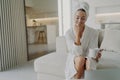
x=61, y=46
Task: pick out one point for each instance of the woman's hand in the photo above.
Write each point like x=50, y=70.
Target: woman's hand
x=78, y=30
x=78, y=33
x=98, y=56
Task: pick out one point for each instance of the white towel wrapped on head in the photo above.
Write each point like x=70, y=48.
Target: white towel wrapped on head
x=85, y=6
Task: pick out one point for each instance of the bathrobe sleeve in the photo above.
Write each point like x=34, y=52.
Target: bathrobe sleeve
x=72, y=47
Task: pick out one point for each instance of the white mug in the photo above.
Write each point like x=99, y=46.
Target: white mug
x=93, y=52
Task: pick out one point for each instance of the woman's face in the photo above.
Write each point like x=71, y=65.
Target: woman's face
x=80, y=18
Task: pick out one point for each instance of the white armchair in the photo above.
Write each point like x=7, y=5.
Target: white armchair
x=51, y=66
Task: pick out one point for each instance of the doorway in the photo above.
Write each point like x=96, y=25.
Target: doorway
x=42, y=27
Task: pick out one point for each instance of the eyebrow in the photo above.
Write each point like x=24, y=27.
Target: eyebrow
x=80, y=16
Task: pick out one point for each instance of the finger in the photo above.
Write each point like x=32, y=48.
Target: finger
x=101, y=49
x=99, y=52
x=100, y=55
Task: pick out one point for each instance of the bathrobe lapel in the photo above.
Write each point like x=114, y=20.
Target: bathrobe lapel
x=86, y=38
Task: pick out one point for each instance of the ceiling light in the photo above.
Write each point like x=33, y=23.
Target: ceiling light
x=50, y=18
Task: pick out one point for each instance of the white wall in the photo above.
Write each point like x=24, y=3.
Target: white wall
x=99, y=3
x=51, y=36
x=64, y=9
x=45, y=5
x=42, y=8
x=28, y=3
x=13, y=50
x=106, y=5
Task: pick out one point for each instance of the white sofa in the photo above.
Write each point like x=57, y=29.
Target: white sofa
x=51, y=66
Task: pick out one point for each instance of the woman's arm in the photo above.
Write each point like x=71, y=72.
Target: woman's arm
x=73, y=47
x=78, y=34
x=98, y=55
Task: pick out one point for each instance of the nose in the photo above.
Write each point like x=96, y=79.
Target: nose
x=79, y=20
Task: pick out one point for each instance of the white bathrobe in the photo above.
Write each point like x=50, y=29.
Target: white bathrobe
x=89, y=40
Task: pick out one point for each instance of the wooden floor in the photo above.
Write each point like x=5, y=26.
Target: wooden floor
x=38, y=54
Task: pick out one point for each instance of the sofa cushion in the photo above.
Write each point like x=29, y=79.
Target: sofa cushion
x=61, y=46
x=52, y=63
x=103, y=74
x=113, y=26
x=111, y=40
x=109, y=60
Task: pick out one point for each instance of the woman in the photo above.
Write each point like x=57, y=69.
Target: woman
x=80, y=39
